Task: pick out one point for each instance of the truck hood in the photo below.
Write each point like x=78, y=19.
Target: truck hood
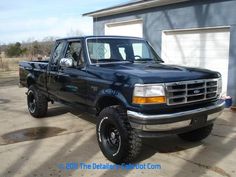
x=160, y=73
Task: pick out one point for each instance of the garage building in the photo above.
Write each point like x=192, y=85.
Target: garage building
x=185, y=32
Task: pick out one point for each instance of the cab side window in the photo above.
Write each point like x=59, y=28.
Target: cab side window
x=57, y=53
x=74, y=51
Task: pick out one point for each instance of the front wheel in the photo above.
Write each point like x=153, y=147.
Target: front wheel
x=198, y=134
x=37, y=102
x=116, y=138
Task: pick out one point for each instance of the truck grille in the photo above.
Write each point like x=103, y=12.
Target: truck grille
x=191, y=91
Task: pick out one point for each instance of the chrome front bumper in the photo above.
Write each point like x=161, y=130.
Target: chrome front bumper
x=172, y=121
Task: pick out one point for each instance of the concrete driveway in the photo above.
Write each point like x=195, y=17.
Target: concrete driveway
x=37, y=147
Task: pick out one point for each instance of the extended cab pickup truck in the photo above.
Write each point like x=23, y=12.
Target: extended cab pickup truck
x=133, y=94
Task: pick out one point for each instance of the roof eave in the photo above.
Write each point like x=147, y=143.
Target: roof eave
x=130, y=7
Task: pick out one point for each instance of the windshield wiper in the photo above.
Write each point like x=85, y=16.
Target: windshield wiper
x=109, y=60
x=144, y=60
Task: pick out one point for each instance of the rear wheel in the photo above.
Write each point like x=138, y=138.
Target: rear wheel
x=116, y=138
x=37, y=102
x=198, y=134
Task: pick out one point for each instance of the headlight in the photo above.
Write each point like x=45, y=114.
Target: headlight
x=149, y=94
x=219, y=86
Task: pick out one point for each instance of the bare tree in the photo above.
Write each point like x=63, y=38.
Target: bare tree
x=75, y=32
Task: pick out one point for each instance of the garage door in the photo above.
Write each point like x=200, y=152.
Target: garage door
x=128, y=28
x=205, y=48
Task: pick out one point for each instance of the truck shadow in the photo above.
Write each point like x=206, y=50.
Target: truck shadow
x=205, y=160
x=220, y=144
x=166, y=144
x=151, y=146
x=73, y=151
x=58, y=110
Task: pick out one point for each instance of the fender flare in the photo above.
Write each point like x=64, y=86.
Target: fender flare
x=30, y=78
x=113, y=94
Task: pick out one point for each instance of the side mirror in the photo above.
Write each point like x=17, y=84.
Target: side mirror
x=66, y=62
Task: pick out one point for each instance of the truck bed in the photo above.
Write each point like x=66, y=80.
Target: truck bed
x=32, y=69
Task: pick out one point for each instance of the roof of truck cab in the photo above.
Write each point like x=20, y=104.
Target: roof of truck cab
x=86, y=37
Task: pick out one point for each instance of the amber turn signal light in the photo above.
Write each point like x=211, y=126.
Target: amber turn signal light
x=149, y=100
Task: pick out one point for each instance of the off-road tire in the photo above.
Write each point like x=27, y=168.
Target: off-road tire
x=129, y=144
x=198, y=134
x=34, y=96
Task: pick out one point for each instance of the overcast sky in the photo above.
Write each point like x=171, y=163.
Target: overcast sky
x=36, y=19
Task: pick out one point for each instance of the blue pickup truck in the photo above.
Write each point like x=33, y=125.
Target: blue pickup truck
x=133, y=94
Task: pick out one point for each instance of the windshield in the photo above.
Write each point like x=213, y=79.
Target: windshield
x=106, y=50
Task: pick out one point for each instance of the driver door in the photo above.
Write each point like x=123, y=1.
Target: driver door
x=52, y=77
x=72, y=80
